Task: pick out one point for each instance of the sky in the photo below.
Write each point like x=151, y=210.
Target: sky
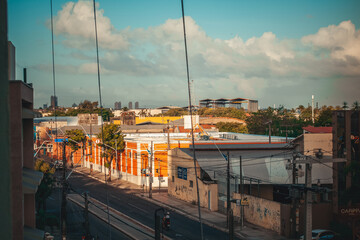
x=276, y=52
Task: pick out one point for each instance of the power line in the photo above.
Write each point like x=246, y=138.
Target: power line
x=101, y=108
x=191, y=118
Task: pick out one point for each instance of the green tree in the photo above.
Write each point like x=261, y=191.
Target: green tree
x=223, y=112
x=44, y=191
x=111, y=139
x=306, y=115
x=356, y=106
x=345, y=105
x=77, y=137
x=231, y=127
x=324, y=118
x=256, y=123
x=283, y=122
x=176, y=112
x=88, y=105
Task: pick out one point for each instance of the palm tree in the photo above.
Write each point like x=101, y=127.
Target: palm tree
x=356, y=106
x=345, y=105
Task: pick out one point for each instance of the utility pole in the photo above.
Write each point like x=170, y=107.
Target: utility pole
x=168, y=135
x=159, y=177
x=312, y=109
x=293, y=200
x=231, y=225
x=308, y=202
x=241, y=195
x=86, y=216
x=228, y=206
x=150, y=168
x=116, y=157
x=64, y=189
x=269, y=132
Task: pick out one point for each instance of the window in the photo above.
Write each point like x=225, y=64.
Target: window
x=129, y=154
x=173, y=179
x=191, y=184
x=135, y=155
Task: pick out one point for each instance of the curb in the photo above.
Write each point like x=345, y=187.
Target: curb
x=103, y=181
x=179, y=211
x=174, y=209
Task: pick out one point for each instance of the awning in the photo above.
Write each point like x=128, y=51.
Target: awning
x=31, y=180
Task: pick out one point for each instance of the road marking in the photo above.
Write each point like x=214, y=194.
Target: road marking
x=138, y=208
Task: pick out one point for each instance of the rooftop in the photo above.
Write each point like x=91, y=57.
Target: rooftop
x=311, y=129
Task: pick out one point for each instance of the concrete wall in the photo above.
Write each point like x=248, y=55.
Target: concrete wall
x=318, y=140
x=181, y=188
x=260, y=212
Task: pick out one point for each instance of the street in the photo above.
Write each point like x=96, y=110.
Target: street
x=75, y=220
x=125, y=201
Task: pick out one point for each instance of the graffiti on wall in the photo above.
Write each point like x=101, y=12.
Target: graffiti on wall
x=262, y=212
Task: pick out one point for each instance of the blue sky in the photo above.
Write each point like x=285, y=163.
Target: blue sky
x=279, y=52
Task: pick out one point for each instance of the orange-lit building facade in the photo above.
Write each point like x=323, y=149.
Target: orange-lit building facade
x=132, y=164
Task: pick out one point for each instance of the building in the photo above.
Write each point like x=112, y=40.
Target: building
x=130, y=105
x=266, y=176
x=6, y=224
x=45, y=106
x=25, y=179
x=136, y=105
x=127, y=118
x=117, y=105
x=346, y=197
x=252, y=105
x=54, y=101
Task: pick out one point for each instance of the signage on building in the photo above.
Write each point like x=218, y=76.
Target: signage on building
x=350, y=211
x=182, y=173
x=60, y=140
x=245, y=201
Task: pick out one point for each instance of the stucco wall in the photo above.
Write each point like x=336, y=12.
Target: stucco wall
x=318, y=140
x=260, y=212
x=181, y=189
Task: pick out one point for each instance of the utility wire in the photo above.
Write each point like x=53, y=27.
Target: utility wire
x=191, y=118
x=101, y=111
x=53, y=70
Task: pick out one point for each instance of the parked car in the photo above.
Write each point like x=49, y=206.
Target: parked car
x=321, y=234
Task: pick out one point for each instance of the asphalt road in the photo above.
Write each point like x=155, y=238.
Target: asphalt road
x=75, y=220
x=141, y=210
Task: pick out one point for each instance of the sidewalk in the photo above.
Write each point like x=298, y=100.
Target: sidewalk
x=214, y=219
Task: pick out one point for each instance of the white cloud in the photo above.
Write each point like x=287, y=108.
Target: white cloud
x=343, y=41
x=256, y=67
x=76, y=22
x=267, y=45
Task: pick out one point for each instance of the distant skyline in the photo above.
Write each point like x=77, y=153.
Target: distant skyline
x=278, y=52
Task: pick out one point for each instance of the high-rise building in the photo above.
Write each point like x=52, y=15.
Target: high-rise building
x=130, y=105
x=136, y=105
x=54, y=101
x=117, y=105
x=45, y=106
